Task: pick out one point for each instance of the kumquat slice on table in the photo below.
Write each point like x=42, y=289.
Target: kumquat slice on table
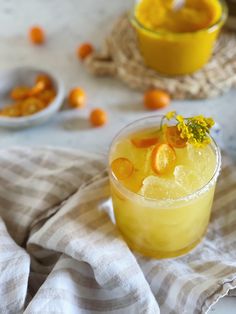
x=31, y=106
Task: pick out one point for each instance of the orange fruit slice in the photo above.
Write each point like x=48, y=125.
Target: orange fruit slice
x=45, y=80
x=163, y=158
x=42, y=82
x=173, y=137
x=20, y=92
x=31, y=106
x=37, y=89
x=144, y=142
x=122, y=168
x=47, y=96
x=11, y=111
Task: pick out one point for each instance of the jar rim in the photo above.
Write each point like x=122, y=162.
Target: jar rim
x=136, y=23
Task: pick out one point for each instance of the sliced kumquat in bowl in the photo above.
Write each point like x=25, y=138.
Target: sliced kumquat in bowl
x=173, y=137
x=19, y=108
x=45, y=80
x=42, y=83
x=122, y=168
x=13, y=111
x=163, y=159
x=84, y=50
x=31, y=106
x=37, y=89
x=29, y=100
x=20, y=92
x=47, y=96
x=144, y=142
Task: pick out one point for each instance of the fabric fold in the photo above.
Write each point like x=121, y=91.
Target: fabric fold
x=62, y=253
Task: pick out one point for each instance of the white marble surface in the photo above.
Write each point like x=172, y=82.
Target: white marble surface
x=67, y=24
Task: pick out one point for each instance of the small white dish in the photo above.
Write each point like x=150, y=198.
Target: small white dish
x=25, y=76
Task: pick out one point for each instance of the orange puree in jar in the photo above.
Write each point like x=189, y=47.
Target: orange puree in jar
x=178, y=41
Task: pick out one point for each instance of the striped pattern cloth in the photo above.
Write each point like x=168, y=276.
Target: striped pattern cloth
x=60, y=252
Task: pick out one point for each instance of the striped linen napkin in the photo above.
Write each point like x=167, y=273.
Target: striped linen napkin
x=60, y=252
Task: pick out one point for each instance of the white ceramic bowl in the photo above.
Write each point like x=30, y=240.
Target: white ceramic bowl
x=25, y=76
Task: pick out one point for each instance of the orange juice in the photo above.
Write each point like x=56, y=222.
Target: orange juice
x=161, y=214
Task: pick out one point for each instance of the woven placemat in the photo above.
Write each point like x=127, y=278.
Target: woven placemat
x=120, y=57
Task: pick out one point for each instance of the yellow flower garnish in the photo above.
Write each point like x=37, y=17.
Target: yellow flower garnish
x=170, y=115
x=180, y=118
x=195, y=129
x=210, y=122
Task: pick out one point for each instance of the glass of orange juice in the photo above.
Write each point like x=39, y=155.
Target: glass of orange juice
x=162, y=188
x=177, y=42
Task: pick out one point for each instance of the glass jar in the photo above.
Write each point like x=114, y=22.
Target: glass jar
x=174, y=53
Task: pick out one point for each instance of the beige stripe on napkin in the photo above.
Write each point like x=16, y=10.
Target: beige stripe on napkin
x=54, y=204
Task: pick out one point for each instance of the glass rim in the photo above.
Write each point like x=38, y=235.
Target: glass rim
x=191, y=196
x=136, y=23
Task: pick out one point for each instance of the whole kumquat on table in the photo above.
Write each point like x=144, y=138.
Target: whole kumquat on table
x=98, y=117
x=84, y=50
x=37, y=35
x=77, y=98
x=156, y=99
